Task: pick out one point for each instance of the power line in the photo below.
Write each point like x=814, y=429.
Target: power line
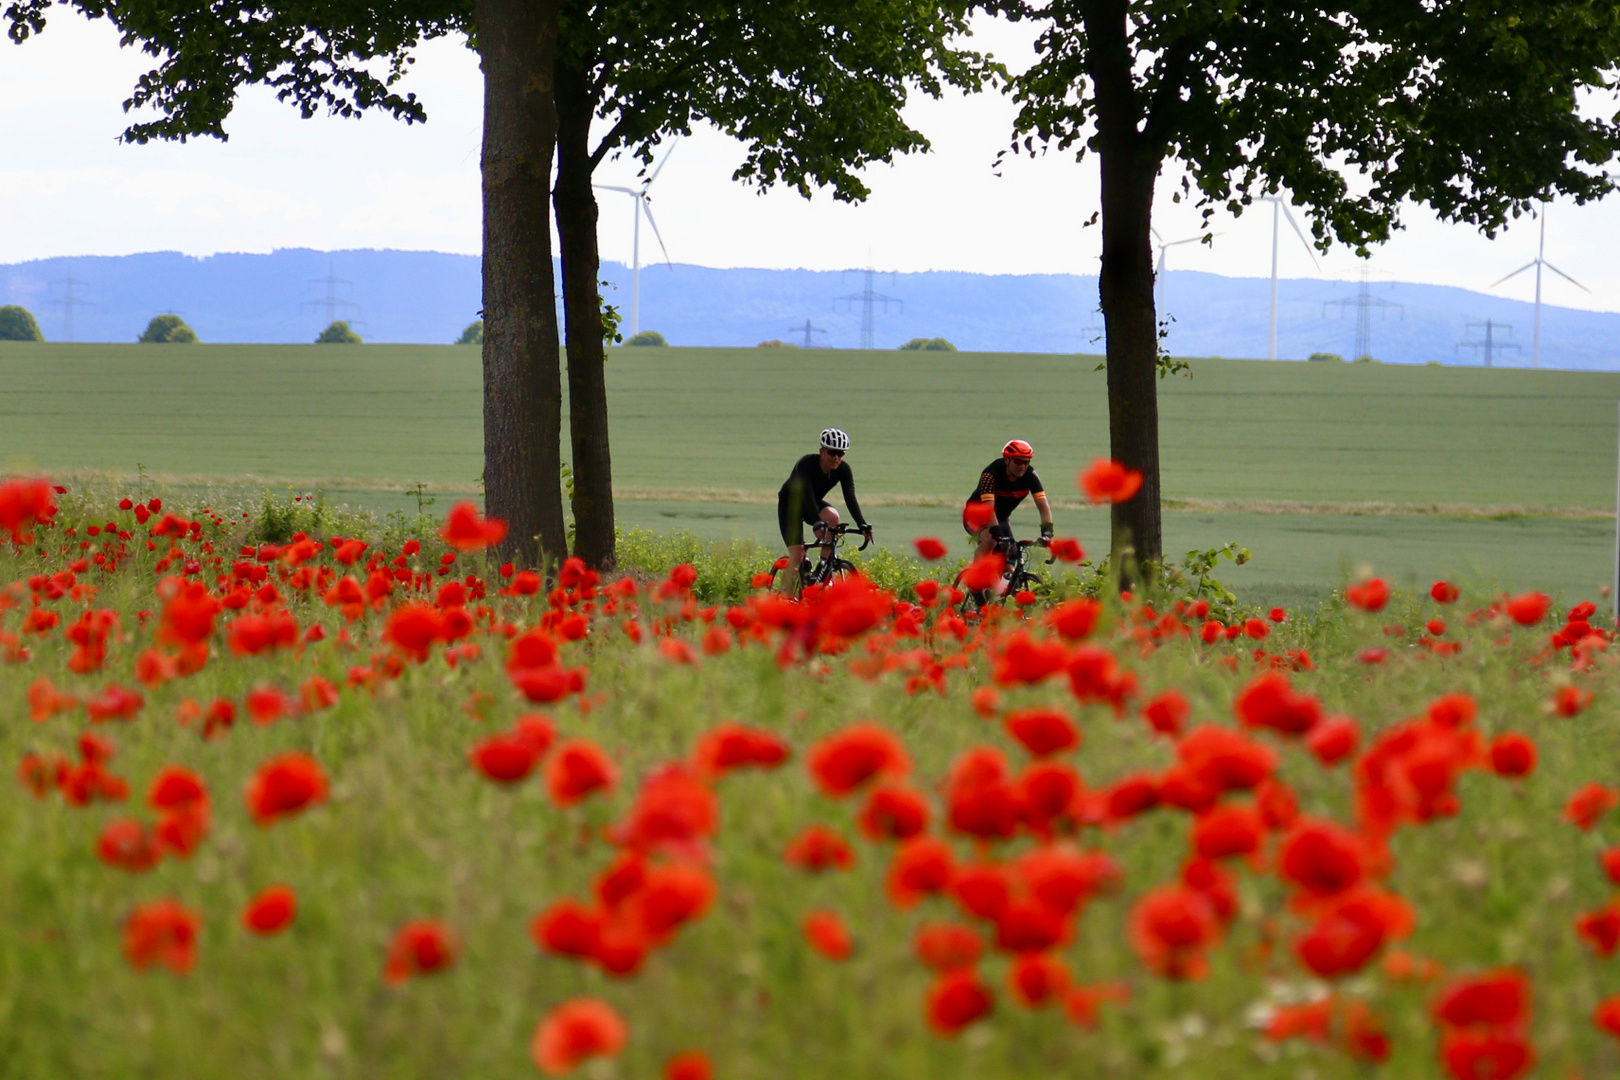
x=807, y=330
x=1490, y=344
x=68, y=302
x=869, y=299
x=332, y=301
x=1364, y=302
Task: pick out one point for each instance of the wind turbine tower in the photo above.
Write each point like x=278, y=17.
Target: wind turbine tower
x=1538, y=262
x=1159, y=280
x=1279, y=209
x=642, y=205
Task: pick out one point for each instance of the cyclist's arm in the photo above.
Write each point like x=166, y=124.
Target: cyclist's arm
x=846, y=481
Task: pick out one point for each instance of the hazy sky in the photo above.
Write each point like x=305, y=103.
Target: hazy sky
x=69, y=188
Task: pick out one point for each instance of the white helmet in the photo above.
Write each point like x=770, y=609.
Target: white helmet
x=833, y=439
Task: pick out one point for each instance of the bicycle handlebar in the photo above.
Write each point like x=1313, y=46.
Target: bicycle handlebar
x=844, y=528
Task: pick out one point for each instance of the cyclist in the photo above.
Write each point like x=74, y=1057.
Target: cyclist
x=802, y=499
x=1004, y=484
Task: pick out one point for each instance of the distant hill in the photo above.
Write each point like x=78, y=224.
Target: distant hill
x=428, y=297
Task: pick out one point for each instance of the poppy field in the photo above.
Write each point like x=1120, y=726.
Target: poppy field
x=337, y=807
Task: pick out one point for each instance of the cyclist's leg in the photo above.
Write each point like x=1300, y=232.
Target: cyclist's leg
x=827, y=520
x=793, y=536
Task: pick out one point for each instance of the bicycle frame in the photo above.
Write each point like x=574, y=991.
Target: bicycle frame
x=829, y=566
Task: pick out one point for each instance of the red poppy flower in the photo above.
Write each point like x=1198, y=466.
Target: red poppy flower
x=176, y=787
x=271, y=911
x=188, y=615
x=819, y=848
x=23, y=504
x=1600, y=929
x=1269, y=701
x=1321, y=859
x=162, y=932
x=1370, y=595
x=978, y=515
x=127, y=845
x=1570, y=700
x=1588, y=804
x=1486, y=1055
x=672, y=808
x=1607, y=1015
x=1130, y=796
x=734, y=746
x=1444, y=592
x=267, y=704
x=466, y=530
x=826, y=933
x=1109, y=481
x=1047, y=791
x=1513, y=755
x=284, y=786
x=414, y=628
x=574, y=1031
x=1025, y=661
x=986, y=701
x=1225, y=760
x=1167, y=713
x=1349, y=933
x=1528, y=609
x=568, y=928
x=920, y=866
x=1170, y=928
x=575, y=769
x=1334, y=739
x=419, y=948
x=1453, y=710
x=980, y=798
x=1043, y=731
x=845, y=760
x=956, y=999
x=505, y=759
x=893, y=813
x=1037, y=979
x=983, y=572
x=948, y=946
x=689, y=1065
x=1498, y=998
x=1067, y=549
x=930, y=548
x=1226, y=830
x=1610, y=861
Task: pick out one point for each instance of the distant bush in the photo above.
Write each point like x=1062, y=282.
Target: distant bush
x=1325, y=357
x=168, y=330
x=774, y=344
x=1434, y=363
x=17, y=324
x=938, y=344
x=473, y=335
x=338, y=334
x=647, y=337
x=1365, y=360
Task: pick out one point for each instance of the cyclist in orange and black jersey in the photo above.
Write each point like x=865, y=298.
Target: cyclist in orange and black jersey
x=1003, y=485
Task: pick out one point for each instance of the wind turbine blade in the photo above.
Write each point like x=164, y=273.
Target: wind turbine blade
x=646, y=206
x=1189, y=240
x=1515, y=273
x=662, y=163
x=1160, y=271
x=1154, y=230
x=1300, y=233
x=1563, y=275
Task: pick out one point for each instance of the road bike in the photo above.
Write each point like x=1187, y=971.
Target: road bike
x=1015, y=577
x=830, y=567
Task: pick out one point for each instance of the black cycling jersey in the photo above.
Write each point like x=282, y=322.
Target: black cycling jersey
x=801, y=497
x=1008, y=493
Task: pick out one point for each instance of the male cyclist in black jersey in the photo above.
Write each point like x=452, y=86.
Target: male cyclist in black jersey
x=802, y=500
x=1004, y=484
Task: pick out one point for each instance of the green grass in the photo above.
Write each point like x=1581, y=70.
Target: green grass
x=693, y=428
x=411, y=832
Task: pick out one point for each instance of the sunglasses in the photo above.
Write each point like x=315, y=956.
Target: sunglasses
x=834, y=453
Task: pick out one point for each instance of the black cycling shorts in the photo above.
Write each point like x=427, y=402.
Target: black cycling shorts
x=793, y=531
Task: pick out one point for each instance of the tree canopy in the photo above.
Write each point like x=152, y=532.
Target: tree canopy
x=1355, y=108
x=338, y=333
x=646, y=337
x=17, y=324
x=167, y=329
x=473, y=335
x=923, y=344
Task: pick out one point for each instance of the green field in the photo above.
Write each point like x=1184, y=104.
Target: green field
x=1500, y=472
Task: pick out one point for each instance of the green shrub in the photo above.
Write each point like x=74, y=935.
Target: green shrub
x=168, y=329
x=473, y=335
x=1325, y=357
x=646, y=337
x=17, y=324
x=938, y=344
x=338, y=334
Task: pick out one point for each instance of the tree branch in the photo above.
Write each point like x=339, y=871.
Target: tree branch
x=1167, y=97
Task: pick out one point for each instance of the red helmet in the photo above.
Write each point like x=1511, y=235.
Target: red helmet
x=1020, y=449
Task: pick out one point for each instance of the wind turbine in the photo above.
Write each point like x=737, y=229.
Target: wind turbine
x=1538, y=262
x=642, y=205
x=1280, y=209
x=1158, y=273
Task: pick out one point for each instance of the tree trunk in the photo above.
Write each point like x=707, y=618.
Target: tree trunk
x=1129, y=165
x=582, y=306
x=522, y=378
